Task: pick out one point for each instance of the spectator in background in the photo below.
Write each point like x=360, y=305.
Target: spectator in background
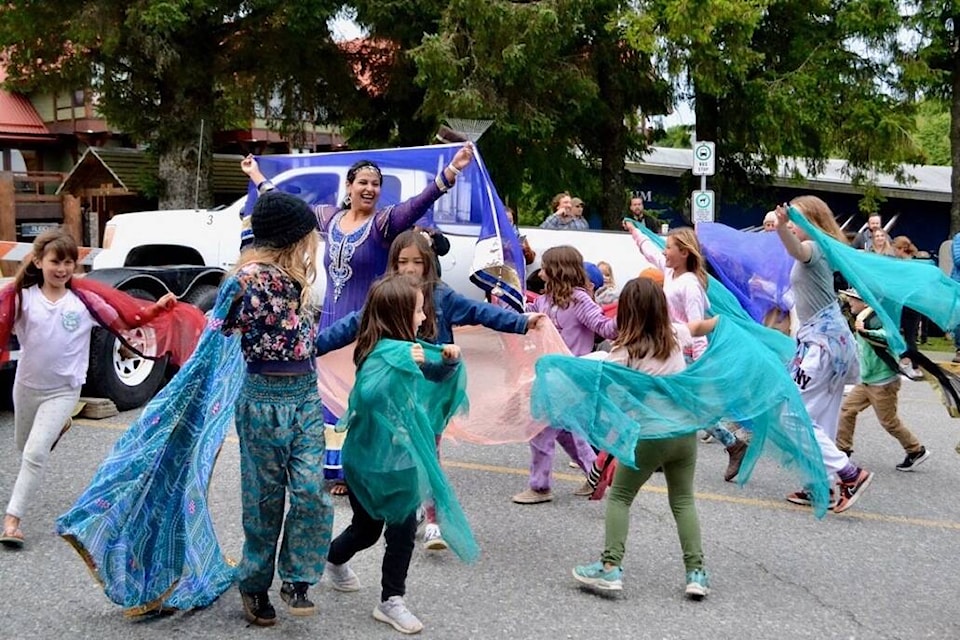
x=576, y=207
x=636, y=208
x=770, y=221
x=864, y=239
x=904, y=249
x=607, y=292
x=881, y=243
x=562, y=216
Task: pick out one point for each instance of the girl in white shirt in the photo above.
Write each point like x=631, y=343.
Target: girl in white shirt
x=53, y=326
x=685, y=285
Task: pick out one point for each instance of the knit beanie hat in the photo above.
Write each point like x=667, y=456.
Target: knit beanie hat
x=280, y=219
x=594, y=275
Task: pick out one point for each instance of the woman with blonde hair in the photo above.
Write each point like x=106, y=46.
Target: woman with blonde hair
x=881, y=243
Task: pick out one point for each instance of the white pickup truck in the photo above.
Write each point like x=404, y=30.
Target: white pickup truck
x=148, y=253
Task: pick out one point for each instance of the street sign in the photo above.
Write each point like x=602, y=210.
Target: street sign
x=703, y=206
x=704, y=158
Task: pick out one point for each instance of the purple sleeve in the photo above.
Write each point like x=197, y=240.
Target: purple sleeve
x=591, y=316
x=391, y=221
x=324, y=213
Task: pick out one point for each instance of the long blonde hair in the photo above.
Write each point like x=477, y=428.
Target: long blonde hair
x=818, y=213
x=686, y=240
x=297, y=260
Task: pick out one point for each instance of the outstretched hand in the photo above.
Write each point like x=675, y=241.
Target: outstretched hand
x=535, y=320
x=167, y=302
x=782, y=217
x=249, y=164
x=251, y=167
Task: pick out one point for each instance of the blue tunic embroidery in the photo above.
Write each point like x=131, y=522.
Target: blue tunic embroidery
x=341, y=247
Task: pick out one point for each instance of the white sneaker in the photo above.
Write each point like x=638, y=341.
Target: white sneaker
x=396, y=614
x=433, y=539
x=342, y=577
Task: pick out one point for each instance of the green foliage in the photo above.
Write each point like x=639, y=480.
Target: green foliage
x=929, y=63
x=560, y=85
x=933, y=133
x=677, y=137
x=159, y=67
x=774, y=79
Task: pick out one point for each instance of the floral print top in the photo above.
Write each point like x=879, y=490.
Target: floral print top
x=268, y=317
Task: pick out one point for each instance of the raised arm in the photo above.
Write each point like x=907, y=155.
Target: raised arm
x=591, y=316
x=646, y=246
x=796, y=249
x=391, y=221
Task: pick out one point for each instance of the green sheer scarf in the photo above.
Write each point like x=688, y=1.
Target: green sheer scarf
x=393, y=418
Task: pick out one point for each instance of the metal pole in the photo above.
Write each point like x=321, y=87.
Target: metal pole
x=196, y=193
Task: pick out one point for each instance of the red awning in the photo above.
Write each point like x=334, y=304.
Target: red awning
x=18, y=118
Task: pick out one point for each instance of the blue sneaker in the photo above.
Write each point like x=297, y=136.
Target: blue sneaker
x=698, y=584
x=594, y=575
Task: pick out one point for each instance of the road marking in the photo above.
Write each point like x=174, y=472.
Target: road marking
x=576, y=478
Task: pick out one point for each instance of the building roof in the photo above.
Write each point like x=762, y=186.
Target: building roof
x=120, y=170
x=18, y=118
x=926, y=182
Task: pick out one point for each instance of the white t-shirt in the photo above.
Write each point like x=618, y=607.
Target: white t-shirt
x=674, y=363
x=54, y=341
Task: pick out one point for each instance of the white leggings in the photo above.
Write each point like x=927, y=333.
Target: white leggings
x=38, y=418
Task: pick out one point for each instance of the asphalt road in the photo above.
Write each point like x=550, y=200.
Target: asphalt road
x=885, y=569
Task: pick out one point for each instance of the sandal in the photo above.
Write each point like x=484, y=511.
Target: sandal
x=339, y=489
x=12, y=538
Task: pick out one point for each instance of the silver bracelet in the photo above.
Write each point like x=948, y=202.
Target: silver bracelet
x=456, y=172
x=437, y=181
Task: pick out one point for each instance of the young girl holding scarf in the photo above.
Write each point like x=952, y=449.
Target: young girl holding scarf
x=53, y=315
x=404, y=394
x=826, y=357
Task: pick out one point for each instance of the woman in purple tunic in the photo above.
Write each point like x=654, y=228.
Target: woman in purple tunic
x=358, y=238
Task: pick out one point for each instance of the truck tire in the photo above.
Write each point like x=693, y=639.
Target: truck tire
x=129, y=380
x=203, y=297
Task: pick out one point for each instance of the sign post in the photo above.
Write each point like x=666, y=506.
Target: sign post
x=704, y=159
x=703, y=202
x=703, y=206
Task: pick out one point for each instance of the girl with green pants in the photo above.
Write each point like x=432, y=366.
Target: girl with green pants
x=648, y=342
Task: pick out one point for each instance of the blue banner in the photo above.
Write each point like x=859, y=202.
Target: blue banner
x=317, y=178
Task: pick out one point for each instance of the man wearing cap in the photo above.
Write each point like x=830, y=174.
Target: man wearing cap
x=563, y=216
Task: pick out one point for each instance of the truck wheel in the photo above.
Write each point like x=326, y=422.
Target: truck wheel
x=202, y=296
x=126, y=378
